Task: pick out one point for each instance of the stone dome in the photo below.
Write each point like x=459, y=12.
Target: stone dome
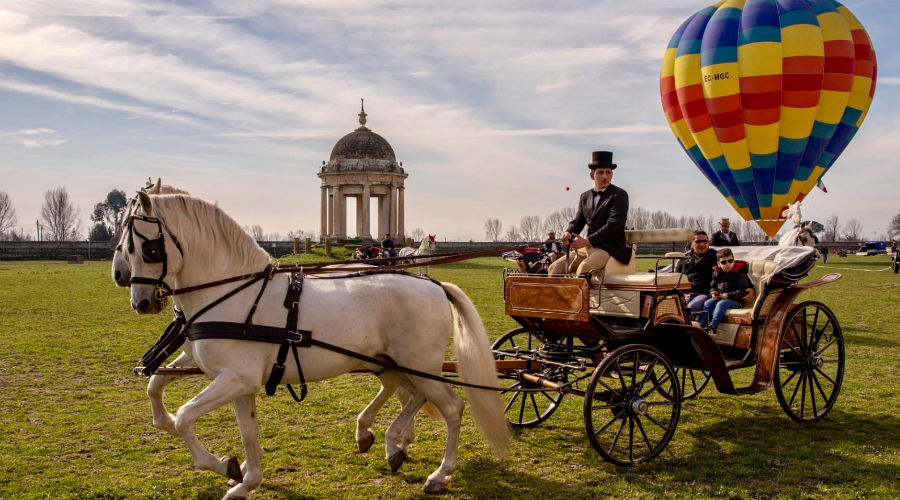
x=362, y=151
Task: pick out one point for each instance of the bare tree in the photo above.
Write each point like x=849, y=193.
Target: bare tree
x=894, y=227
x=512, y=234
x=831, y=228
x=60, y=215
x=492, y=228
x=638, y=218
x=853, y=230
x=256, y=231
x=530, y=228
x=7, y=213
x=417, y=234
x=556, y=222
x=299, y=233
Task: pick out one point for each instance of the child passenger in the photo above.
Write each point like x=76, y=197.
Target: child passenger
x=730, y=286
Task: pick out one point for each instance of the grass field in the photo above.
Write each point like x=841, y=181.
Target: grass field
x=76, y=423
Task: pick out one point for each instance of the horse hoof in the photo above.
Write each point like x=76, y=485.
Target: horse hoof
x=432, y=486
x=397, y=460
x=234, y=469
x=365, y=443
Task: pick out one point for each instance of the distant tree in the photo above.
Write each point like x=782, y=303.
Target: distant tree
x=60, y=216
x=276, y=236
x=7, y=213
x=894, y=227
x=853, y=230
x=99, y=232
x=417, y=234
x=638, y=218
x=512, y=234
x=492, y=228
x=530, y=228
x=555, y=222
x=108, y=213
x=300, y=234
x=831, y=228
x=256, y=231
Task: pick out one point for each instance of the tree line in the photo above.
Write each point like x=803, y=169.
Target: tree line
x=532, y=228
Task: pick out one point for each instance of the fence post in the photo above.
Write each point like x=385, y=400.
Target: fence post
x=307, y=246
x=296, y=245
x=328, y=247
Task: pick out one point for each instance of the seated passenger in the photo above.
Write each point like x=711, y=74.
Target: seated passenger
x=603, y=210
x=697, y=265
x=387, y=246
x=552, y=246
x=729, y=287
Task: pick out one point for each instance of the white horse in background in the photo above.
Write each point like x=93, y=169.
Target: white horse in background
x=405, y=319
x=426, y=247
x=802, y=234
x=157, y=384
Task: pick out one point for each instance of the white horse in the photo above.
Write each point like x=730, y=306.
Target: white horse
x=802, y=234
x=426, y=247
x=158, y=383
x=402, y=318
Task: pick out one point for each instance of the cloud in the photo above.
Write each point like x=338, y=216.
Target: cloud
x=39, y=138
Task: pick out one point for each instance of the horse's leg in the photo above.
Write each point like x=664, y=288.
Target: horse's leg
x=394, y=443
x=226, y=387
x=245, y=411
x=408, y=436
x=451, y=407
x=364, y=436
x=156, y=388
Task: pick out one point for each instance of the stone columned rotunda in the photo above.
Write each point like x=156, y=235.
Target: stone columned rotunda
x=362, y=165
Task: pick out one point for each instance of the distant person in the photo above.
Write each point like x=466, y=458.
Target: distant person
x=552, y=246
x=697, y=265
x=729, y=288
x=603, y=210
x=723, y=237
x=387, y=246
x=824, y=253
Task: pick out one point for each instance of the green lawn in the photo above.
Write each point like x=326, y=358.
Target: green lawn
x=76, y=422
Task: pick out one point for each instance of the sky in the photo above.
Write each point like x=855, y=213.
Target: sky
x=493, y=107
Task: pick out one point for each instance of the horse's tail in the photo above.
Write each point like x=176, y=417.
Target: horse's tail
x=476, y=365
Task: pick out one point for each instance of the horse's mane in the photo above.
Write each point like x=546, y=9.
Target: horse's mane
x=204, y=228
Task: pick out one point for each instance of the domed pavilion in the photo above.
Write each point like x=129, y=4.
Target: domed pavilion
x=362, y=165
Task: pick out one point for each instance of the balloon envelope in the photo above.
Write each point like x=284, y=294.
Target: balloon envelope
x=763, y=95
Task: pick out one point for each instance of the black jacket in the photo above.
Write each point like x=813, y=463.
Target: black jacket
x=699, y=269
x=718, y=240
x=606, y=223
x=735, y=282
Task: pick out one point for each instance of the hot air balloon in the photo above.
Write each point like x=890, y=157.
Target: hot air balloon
x=763, y=95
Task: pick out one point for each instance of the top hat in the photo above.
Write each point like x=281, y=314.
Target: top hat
x=601, y=159
x=724, y=220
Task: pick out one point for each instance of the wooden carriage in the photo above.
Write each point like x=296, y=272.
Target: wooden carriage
x=626, y=342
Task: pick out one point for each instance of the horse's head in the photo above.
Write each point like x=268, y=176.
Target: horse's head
x=121, y=274
x=152, y=254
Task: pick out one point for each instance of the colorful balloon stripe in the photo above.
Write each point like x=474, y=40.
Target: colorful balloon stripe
x=764, y=95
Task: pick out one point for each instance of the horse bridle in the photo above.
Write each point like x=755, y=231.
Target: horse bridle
x=153, y=251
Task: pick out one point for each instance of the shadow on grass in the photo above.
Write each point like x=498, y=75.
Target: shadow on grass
x=871, y=339
x=763, y=456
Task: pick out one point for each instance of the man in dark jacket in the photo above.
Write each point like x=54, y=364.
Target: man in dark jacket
x=603, y=210
x=697, y=265
x=387, y=246
x=724, y=237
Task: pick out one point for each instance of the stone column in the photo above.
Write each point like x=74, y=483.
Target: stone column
x=393, y=211
x=324, y=219
x=330, y=212
x=359, y=221
x=401, y=231
x=383, y=226
x=365, y=231
x=343, y=216
x=339, y=219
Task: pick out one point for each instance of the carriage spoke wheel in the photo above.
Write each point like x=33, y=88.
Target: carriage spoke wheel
x=527, y=409
x=632, y=405
x=810, y=362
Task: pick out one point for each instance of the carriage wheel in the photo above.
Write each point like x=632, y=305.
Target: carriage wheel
x=692, y=383
x=626, y=415
x=810, y=362
x=527, y=409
